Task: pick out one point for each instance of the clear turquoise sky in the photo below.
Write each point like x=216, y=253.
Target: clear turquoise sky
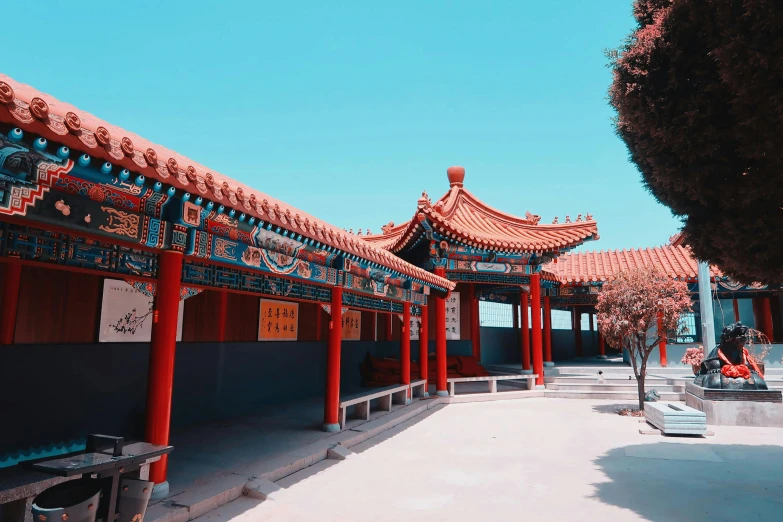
x=348, y=110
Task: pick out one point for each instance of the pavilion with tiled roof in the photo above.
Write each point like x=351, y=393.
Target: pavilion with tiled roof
x=582, y=274
x=488, y=252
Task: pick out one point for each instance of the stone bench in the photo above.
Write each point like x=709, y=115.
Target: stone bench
x=419, y=389
x=395, y=394
x=675, y=419
x=492, y=381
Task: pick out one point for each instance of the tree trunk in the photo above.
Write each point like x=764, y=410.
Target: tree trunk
x=640, y=386
x=642, y=375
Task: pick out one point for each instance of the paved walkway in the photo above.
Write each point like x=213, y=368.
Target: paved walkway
x=569, y=460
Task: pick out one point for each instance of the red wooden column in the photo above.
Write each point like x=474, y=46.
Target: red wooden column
x=547, y=330
x=662, y=343
x=576, y=324
x=601, y=346
x=12, y=278
x=475, y=323
x=735, y=305
x=222, y=314
x=762, y=313
x=163, y=345
x=535, y=319
x=524, y=333
x=424, y=342
x=440, y=340
x=332, y=395
x=405, y=348
x=375, y=326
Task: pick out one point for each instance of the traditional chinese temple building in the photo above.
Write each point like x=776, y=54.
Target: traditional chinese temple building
x=489, y=253
x=141, y=291
x=90, y=213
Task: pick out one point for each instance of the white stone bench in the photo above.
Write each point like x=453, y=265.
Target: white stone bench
x=492, y=381
x=419, y=388
x=395, y=394
x=675, y=419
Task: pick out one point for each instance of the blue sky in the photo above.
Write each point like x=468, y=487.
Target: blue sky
x=348, y=110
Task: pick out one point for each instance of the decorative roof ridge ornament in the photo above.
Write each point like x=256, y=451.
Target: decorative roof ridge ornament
x=424, y=200
x=456, y=176
x=387, y=228
x=533, y=218
x=554, y=221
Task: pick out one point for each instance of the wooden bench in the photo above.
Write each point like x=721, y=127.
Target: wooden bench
x=395, y=394
x=492, y=381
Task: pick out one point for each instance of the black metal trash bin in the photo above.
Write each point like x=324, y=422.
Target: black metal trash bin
x=134, y=495
x=72, y=501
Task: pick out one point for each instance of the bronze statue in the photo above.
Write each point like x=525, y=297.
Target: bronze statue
x=730, y=366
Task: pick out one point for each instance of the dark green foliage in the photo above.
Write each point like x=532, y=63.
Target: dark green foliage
x=698, y=90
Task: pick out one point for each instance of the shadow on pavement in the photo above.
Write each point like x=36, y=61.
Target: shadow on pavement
x=614, y=408
x=694, y=481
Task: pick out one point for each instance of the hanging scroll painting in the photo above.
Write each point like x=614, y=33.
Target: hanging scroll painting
x=278, y=321
x=352, y=325
x=127, y=314
x=452, y=317
x=414, y=326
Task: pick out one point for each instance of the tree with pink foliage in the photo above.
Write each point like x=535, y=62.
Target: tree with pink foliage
x=629, y=308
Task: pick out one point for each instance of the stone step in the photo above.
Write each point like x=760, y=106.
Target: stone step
x=678, y=370
x=660, y=388
x=611, y=395
x=617, y=380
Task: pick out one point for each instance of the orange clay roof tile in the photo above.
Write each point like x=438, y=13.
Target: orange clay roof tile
x=462, y=216
x=46, y=116
x=674, y=261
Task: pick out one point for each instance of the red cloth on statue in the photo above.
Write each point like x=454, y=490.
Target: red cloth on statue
x=741, y=371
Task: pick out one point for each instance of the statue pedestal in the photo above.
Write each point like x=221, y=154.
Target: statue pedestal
x=761, y=408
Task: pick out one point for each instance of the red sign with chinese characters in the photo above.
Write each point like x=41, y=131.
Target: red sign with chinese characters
x=279, y=321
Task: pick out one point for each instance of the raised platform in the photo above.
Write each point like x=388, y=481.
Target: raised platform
x=761, y=408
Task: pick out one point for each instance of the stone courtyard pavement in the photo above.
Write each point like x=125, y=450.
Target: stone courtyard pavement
x=534, y=459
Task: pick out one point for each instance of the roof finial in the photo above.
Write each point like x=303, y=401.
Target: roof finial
x=554, y=222
x=456, y=176
x=568, y=219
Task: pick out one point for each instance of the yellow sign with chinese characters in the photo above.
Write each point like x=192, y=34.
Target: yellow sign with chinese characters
x=352, y=325
x=279, y=321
